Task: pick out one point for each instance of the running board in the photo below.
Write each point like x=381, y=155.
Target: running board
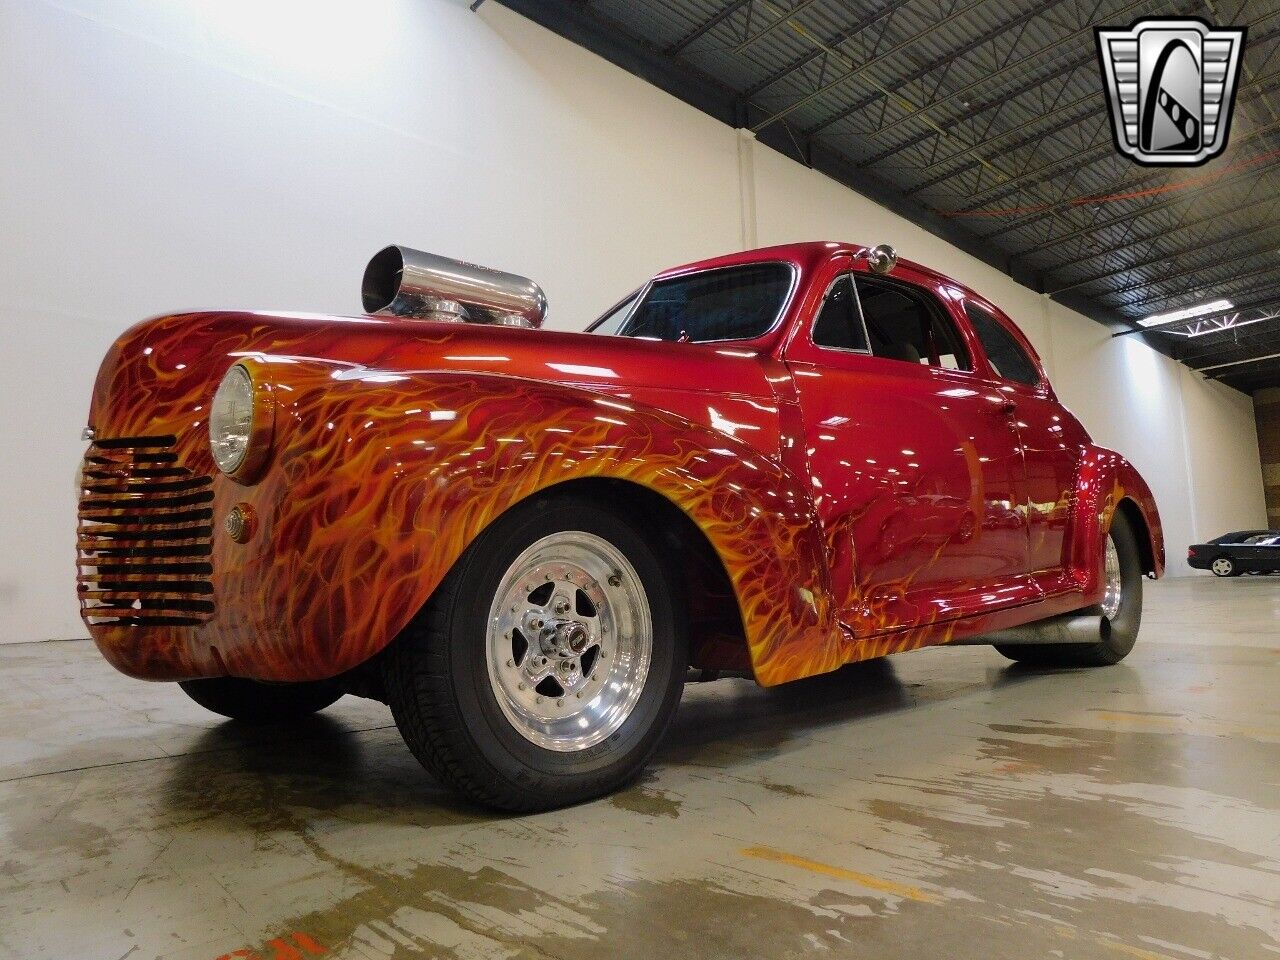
x=1080, y=628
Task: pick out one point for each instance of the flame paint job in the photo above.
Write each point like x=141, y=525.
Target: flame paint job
x=396, y=442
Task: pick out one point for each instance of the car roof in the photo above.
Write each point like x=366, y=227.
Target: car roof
x=806, y=255
x=1245, y=533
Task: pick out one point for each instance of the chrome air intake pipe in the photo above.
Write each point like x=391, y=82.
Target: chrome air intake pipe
x=403, y=282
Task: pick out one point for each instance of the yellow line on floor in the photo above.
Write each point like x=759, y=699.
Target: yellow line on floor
x=1067, y=933
x=1141, y=722
x=1138, y=952
x=840, y=873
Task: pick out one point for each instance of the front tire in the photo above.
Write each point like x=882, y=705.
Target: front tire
x=252, y=702
x=1121, y=611
x=547, y=665
x=1223, y=567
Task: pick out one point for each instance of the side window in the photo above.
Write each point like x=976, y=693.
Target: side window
x=904, y=325
x=839, y=323
x=1005, y=353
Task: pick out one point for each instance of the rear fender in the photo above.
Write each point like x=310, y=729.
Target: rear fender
x=1106, y=483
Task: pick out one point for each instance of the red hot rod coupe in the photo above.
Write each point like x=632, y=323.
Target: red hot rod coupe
x=775, y=462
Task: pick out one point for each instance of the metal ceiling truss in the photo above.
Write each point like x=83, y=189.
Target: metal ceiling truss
x=956, y=10
x=1178, y=276
x=935, y=91
x=1206, y=287
x=1258, y=304
x=1079, y=34
x=1048, y=104
x=1166, y=259
x=818, y=55
x=1209, y=326
x=1159, y=239
x=1249, y=177
x=1235, y=321
x=697, y=34
x=984, y=121
x=1093, y=144
x=1242, y=346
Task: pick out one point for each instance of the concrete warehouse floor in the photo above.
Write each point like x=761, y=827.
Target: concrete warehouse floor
x=937, y=804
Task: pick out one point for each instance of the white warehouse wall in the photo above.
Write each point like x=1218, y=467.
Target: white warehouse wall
x=172, y=154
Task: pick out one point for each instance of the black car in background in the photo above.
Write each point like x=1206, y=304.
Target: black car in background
x=1245, y=551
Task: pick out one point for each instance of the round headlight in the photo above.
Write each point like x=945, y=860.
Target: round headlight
x=239, y=425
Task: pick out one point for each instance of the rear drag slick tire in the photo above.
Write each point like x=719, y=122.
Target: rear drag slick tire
x=1122, y=614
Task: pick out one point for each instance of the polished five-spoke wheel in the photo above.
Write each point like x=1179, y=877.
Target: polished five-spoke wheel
x=547, y=665
x=570, y=639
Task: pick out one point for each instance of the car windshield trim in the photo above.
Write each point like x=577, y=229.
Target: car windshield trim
x=632, y=298
x=644, y=292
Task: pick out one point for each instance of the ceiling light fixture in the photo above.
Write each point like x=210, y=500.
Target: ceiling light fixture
x=1188, y=313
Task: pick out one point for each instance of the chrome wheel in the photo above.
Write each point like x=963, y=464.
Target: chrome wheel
x=1223, y=567
x=570, y=638
x=1112, y=580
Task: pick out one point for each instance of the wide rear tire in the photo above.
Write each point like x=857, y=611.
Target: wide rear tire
x=1120, y=623
x=1224, y=567
x=547, y=665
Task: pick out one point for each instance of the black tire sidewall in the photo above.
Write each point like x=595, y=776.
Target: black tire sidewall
x=1229, y=573
x=1120, y=632
x=513, y=758
x=1122, y=629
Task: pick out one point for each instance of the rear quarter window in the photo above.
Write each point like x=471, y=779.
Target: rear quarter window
x=1006, y=355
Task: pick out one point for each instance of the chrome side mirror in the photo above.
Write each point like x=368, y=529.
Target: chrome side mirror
x=882, y=258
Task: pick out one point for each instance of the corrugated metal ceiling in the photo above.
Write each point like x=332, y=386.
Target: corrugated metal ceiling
x=986, y=120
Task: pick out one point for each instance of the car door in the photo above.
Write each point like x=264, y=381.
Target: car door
x=1051, y=438
x=916, y=466
x=1269, y=555
x=1257, y=554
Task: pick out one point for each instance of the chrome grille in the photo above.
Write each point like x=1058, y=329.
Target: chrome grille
x=145, y=536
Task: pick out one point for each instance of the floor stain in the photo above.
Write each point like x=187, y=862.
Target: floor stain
x=647, y=800
x=786, y=789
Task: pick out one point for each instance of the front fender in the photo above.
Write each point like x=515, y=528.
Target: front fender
x=381, y=479
x=1107, y=482
x=447, y=454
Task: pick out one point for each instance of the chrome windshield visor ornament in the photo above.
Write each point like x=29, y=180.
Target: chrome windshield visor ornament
x=1171, y=86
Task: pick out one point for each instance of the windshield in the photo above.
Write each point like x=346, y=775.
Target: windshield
x=732, y=303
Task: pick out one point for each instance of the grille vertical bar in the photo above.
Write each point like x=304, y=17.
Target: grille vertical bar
x=145, y=536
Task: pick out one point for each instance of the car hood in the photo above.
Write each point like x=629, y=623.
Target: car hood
x=187, y=354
